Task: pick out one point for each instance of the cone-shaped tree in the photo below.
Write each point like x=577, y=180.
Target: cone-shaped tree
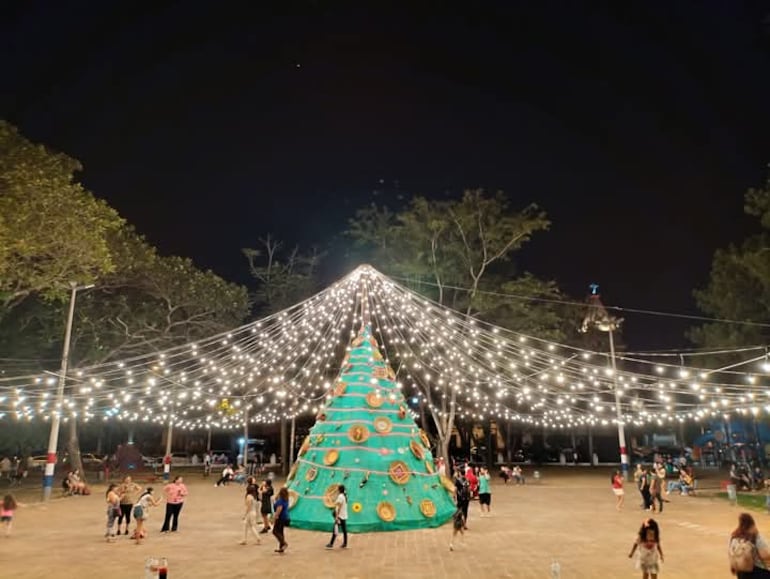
x=366, y=439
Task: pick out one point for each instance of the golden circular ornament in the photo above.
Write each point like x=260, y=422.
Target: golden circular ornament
x=331, y=457
x=448, y=484
x=358, y=433
x=377, y=355
x=386, y=511
x=292, y=472
x=424, y=438
x=402, y=412
x=339, y=388
x=383, y=425
x=428, y=508
x=429, y=467
x=391, y=374
x=330, y=496
x=399, y=472
x=374, y=399
x=417, y=449
x=293, y=498
x=380, y=373
x=357, y=507
x=311, y=473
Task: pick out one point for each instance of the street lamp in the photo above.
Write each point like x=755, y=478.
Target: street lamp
x=598, y=318
x=53, y=439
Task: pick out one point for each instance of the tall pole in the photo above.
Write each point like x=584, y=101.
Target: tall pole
x=167, y=458
x=284, y=457
x=618, y=411
x=208, y=441
x=53, y=439
x=291, y=441
x=245, y=449
x=597, y=317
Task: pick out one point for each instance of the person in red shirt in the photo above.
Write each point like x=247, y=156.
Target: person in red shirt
x=473, y=481
x=617, y=488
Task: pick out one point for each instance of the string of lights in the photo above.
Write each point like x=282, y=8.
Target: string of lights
x=284, y=365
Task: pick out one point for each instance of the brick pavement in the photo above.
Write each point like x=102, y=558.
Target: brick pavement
x=569, y=517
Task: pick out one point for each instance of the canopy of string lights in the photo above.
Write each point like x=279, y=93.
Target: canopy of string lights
x=284, y=366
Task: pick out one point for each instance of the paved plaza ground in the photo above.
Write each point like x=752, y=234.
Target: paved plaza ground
x=569, y=516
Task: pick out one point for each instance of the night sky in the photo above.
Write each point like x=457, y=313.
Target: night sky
x=637, y=129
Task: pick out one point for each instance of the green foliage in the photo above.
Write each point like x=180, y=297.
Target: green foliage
x=281, y=282
x=148, y=303
x=52, y=231
x=739, y=286
x=454, y=251
x=461, y=250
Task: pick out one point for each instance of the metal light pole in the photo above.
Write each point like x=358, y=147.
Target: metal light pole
x=53, y=439
x=167, y=458
x=598, y=318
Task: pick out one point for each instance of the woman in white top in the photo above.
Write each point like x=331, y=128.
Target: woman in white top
x=142, y=511
x=250, y=516
x=340, y=518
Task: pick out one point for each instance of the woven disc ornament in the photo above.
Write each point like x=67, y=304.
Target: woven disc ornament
x=424, y=438
x=330, y=496
x=331, y=457
x=380, y=372
x=428, y=508
x=358, y=433
x=383, y=425
x=311, y=473
x=399, y=472
x=377, y=355
x=293, y=498
x=448, y=484
x=339, y=388
x=391, y=374
x=417, y=449
x=305, y=446
x=374, y=399
x=292, y=472
x=429, y=467
x=386, y=511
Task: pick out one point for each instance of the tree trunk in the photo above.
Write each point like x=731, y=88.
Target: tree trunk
x=73, y=447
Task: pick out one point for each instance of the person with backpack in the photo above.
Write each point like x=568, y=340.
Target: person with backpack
x=747, y=551
x=462, y=495
x=647, y=547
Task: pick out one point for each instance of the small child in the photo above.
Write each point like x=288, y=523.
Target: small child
x=648, y=543
x=458, y=526
x=7, y=511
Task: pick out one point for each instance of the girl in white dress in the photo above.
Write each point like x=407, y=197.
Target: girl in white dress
x=647, y=547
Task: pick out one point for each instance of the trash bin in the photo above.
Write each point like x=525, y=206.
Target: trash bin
x=732, y=494
x=100, y=475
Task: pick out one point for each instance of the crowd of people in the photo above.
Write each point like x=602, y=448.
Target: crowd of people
x=266, y=511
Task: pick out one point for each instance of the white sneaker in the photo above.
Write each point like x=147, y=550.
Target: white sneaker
x=451, y=547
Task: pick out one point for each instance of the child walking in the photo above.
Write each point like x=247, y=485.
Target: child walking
x=7, y=512
x=649, y=552
x=458, y=526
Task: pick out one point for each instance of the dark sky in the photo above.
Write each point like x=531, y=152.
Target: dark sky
x=637, y=128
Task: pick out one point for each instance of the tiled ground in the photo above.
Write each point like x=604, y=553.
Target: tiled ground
x=569, y=517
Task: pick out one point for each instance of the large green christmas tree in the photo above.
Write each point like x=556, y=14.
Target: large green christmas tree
x=366, y=439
